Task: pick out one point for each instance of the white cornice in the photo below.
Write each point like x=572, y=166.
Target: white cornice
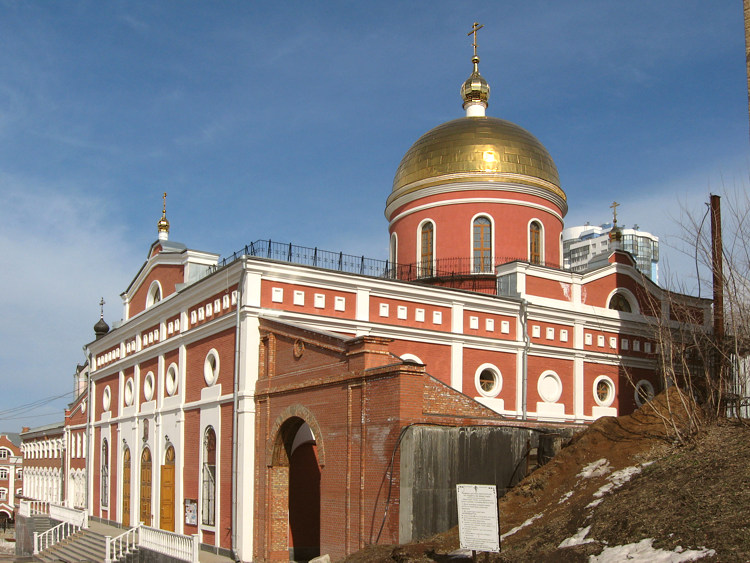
x=469, y=200
x=408, y=194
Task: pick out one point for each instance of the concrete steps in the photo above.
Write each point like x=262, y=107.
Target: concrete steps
x=82, y=546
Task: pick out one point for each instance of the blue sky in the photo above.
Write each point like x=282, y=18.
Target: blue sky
x=287, y=121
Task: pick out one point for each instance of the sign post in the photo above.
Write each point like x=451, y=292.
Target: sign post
x=478, y=519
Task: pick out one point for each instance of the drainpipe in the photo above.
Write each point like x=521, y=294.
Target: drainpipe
x=235, y=424
x=524, y=316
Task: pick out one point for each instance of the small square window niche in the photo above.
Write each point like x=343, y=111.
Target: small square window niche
x=419, y=315
x=536, y=331
x=401, y=312
x=474, y=323
x=319, y=301
x=489, y=325
x=339, y=303
x=505, y=327
x=550, y=333
x=299, y=297
x=384, y=309
x=437, y=317
x=277, y=295
x=563, y=335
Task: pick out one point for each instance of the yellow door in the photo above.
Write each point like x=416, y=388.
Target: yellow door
x=126, y=488
x=166, y=514
x=146, y=487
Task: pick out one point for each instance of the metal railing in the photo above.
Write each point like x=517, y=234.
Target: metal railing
x=179, y=546
x=47, y=539
x=122, y=545
x=439, y=269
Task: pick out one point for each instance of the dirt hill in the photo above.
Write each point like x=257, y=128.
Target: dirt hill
x=624, y=489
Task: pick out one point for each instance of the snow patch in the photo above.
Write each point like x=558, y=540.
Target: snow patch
x=644, y=552
x=617, y=480
x=594, y=503
x=520, y=526
x=595, y=469
x=579, y=538
x=565, y=497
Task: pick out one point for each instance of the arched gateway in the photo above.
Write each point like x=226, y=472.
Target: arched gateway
x=294, y=479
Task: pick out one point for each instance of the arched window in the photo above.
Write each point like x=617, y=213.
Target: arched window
x=482, y=245
x=208, y=510
x=105, y=473
x=535, y=242
x=426, y=249
x=154, y=294
x=620, y=303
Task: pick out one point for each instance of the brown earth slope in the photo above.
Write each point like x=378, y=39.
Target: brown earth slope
x=620, y=482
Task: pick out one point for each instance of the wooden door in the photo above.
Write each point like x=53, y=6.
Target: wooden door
x=146, y=487
x=126, y=488
x=166, y=513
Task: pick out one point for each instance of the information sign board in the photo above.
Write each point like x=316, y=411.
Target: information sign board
x=478, y=521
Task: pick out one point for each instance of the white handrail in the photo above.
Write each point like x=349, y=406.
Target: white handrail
x=47, y=539
x=38, y=507
x=179, y=546
x=122, y=545
x=64, y=514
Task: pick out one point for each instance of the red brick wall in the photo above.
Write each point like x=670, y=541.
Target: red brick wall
x=191, y=472
x=563, y=368
x=356, y=417
x=195, y=358
x=168, y=276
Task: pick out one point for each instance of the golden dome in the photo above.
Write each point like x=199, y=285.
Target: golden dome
x=476, y=149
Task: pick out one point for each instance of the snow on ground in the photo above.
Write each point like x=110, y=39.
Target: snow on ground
x=641, y=552
x=565, y=497
x=595, y=469
x=577, y=539
x=594, y=503
x=617, y=480
x=644, y=552
x=520, y=526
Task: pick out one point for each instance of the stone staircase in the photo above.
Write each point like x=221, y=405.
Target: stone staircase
x=85, y=545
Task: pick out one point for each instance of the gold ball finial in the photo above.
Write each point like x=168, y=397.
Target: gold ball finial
x=163, y=224
x=475, y=91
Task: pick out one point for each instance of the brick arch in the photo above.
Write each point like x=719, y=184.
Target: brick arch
x=284, y=430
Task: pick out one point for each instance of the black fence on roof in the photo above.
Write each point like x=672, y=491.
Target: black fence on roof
x=439, y=269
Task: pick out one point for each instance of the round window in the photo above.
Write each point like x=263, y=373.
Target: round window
x=106, y=399
x=172, y=380
x=644, y=392
x=488, y=380
x=549, y=387
x=211, y=367
x=604, y=391
x=148, y=386
x=129, y=392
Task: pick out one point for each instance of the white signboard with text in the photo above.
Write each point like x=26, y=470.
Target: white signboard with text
x=478, y=522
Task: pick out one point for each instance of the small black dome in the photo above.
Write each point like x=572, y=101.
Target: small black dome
x=101, y=328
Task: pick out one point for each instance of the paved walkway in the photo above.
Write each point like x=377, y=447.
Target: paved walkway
x=113, y=531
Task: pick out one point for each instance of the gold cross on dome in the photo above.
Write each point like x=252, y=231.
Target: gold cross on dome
x=164, y=209
x=476, y=27
x=101, y=307
x=614, y=207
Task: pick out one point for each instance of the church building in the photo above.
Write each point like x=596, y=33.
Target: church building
x=267, y=401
